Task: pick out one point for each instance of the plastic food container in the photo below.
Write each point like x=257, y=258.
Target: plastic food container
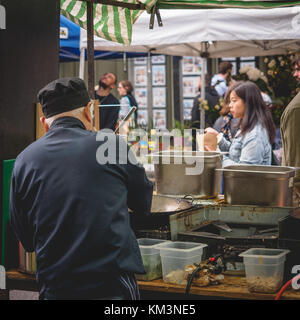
x=264, y=269
x=175, y=256
x=151, y=259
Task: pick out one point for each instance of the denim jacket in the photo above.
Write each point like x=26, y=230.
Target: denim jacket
x=251, y=148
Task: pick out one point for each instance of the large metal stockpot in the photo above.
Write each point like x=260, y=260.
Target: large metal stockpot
x=187, y=173
x=258, y=185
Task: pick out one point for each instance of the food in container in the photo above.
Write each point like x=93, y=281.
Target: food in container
x=264, y=269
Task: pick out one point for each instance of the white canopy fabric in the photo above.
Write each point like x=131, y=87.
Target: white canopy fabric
x=229, y=32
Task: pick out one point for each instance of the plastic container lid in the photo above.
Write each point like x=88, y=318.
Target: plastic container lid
x=264, y=256
x=180, y=249
x=148, y=246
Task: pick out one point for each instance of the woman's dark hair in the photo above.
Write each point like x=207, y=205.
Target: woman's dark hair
x=256, y=109
x=127, y=86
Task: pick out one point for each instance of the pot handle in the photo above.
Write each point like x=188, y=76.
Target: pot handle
x=186, y=197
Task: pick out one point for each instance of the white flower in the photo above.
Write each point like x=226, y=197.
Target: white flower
x=270, y=72
x=280, y=58
x=266, y=60
x=253, y=74
x=282, y=63
x=245, y=69
x=264, y=78
x=272, y=63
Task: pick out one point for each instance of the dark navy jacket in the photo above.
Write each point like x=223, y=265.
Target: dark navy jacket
x=74, y=212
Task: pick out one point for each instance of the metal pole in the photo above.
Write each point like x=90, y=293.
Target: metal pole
x=90, y=48
x=149, y=91
x=81, y=63
x=82, y=57
x=203, y=65
x=124, y=62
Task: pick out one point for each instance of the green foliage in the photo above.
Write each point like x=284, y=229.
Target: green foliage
x=284, y=85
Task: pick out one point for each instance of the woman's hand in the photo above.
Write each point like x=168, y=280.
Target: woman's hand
x=207, y=148
x=211, y=130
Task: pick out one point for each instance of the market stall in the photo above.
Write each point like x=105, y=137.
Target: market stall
x=203, y=224
x=212, y=33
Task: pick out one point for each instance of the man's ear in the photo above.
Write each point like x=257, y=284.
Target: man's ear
x=44, y=123
x=88, y=115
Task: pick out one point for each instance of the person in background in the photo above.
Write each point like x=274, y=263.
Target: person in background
x=290, y=133
x=226, y=123
x=127, y=101
x=222, y=80
x=252, y=143
x=212, y=97
x=71, y=207
x=109, y=104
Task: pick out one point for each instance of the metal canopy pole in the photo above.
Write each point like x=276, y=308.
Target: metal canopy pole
x=90, y=48
x=82, y=57
x=149, y=91
x=204, y=56
x=131, y=6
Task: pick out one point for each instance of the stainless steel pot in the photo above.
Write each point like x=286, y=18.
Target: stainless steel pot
x=187, y=173
x=258, y=185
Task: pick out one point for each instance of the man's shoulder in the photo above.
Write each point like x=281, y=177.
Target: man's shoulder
x=295, y=103
x=217, y=77
x=29, y=153
x=112, y=97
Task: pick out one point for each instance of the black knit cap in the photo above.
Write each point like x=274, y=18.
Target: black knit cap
x=63, y=95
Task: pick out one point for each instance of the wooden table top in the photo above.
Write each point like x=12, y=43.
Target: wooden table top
x=234, y=287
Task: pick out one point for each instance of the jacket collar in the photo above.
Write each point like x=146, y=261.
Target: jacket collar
x=67, y=122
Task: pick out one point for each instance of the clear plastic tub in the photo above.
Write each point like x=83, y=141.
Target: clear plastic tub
x=264, y=269
x=175, y=256
x=151, y=259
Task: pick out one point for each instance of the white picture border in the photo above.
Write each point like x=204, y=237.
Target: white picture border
x=161, y=122
x=159, y=79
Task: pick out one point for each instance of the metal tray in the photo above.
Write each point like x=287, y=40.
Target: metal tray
x=258, y=185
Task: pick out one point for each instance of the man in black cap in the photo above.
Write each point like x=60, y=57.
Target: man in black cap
x=73, y=211
x=109, y=104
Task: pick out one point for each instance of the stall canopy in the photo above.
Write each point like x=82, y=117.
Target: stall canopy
x=115, y=22
x=250, y=4
x=70, y=40
x=226, y=32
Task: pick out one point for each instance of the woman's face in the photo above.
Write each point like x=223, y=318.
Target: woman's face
x=237, y=105
x=121, y=90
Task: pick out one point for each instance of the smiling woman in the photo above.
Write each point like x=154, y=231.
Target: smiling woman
x=252, y=143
